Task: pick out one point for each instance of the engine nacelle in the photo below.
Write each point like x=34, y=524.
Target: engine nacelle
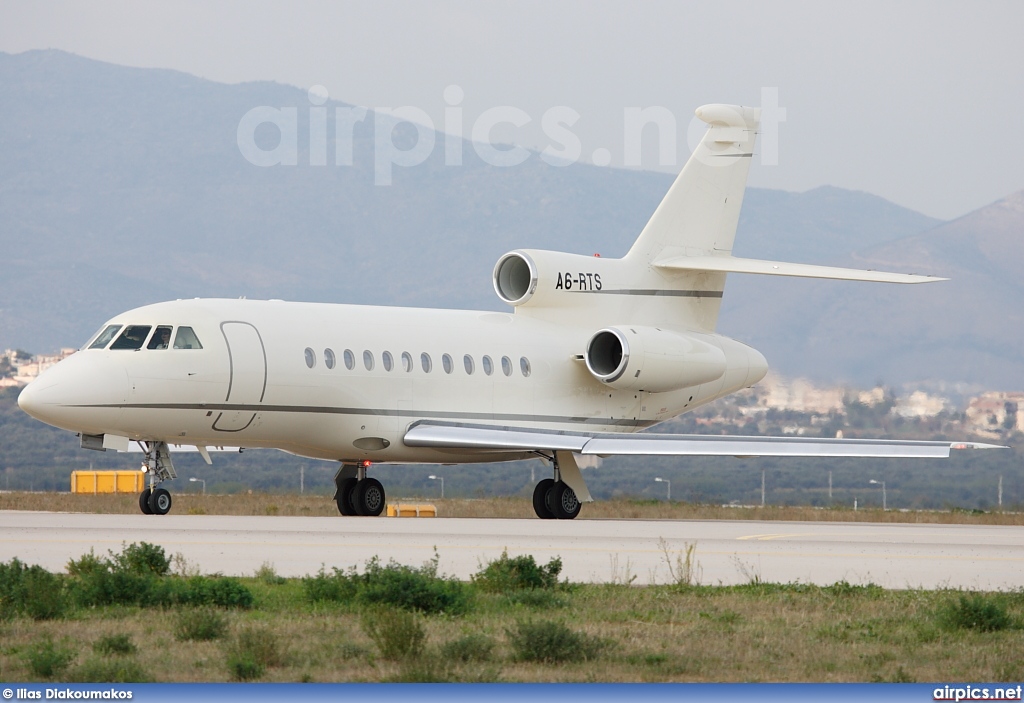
x=651, y=359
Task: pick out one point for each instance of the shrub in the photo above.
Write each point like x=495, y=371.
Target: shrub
x=552, y=643
x=96, y=670
x=261, y=644
x=515, y=573
x=114, y=644
x=244, y=667
x=222, y=591
x=31, y=590
x=410, y=588
x=976, y=612
x=200, y=624
x=46, y=659
x=536, y=598
x=474, y=647
x=142, y=559
x=398, y=634
x=268, y=575
x=338, y=586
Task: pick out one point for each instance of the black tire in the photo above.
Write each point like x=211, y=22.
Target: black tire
x=160, y=501
x=540, y=499
x=369, y=498
x=563, y=501
x=345, y=490
x=144, y=502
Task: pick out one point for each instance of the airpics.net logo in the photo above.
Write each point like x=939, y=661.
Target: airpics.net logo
x=406, y=136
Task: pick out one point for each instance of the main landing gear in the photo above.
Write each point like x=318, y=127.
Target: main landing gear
x=553, y=498
x=356, y=493
x=158, y=467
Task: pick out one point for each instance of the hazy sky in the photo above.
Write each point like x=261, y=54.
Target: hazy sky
x=919, y=102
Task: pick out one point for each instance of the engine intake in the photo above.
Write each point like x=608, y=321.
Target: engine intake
x=515, y=278
x=652, y=359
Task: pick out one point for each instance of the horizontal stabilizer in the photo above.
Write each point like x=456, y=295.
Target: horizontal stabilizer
x=514, y=439
x=731, y=264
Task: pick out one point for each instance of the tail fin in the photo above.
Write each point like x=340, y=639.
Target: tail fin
x=698, y=215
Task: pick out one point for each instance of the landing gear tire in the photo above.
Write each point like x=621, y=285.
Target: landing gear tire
x=368, y=498
x=562, y=501
x=144, y=502
x=540, y=503
x=160, y=501
x=346, y=489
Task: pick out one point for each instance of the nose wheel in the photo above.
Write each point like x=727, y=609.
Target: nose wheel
x=158, y=467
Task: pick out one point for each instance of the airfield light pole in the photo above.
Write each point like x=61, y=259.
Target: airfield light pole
x=432, y=477
x=668, y=484
x=882, y=484
x=762, y=488
x=203, y=481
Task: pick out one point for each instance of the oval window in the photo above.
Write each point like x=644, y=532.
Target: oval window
x=329, y=358
x=368, y=360
x=387, y=360
x=524, y=366
x=467, y=360
x=488, y=365
x=446, y=362
x=407, y=362
x=425, y=362
x=350, y=359
x=506, y=366
x=310, y=357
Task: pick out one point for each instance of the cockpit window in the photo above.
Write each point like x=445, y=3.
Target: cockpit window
x=161, y=338
x=104, y=337
x=186, y=339
x=132, y=337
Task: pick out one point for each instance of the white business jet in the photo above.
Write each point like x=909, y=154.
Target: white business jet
x=596, y=350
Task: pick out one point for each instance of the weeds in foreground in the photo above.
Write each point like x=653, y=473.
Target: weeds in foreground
x=507, y=573
x=200, y=625
x=976, y=612
x=470, y=648
x=115, y=644
x=47, y=659
x=398, y=634
x=118, y=670
x=255, y=649
x=683, y=569
x=552, y=642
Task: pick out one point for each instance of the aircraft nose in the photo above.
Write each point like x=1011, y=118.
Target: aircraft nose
x=76, y=393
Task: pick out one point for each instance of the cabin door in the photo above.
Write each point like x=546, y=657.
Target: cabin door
x=247, y=380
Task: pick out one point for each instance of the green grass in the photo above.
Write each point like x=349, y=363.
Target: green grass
x=757, y=631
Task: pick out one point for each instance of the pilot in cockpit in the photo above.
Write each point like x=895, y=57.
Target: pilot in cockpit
x=162, y=338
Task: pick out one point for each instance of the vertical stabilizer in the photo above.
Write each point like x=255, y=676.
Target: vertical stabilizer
x=699, y=214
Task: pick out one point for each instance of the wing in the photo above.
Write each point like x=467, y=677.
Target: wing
x=518, y=439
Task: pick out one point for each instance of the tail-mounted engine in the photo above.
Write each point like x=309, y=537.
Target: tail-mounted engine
x=651, y=359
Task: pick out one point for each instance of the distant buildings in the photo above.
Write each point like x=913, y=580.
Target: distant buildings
x=17, y=370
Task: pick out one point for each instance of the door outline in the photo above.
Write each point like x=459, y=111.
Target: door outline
x=231, y=374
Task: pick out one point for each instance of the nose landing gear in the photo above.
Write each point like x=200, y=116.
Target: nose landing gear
x=158, y=467
x=356, y=493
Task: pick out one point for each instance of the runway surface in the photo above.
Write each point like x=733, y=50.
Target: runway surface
x=726, y=552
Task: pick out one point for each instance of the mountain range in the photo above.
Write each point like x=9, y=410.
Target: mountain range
x=122, y=186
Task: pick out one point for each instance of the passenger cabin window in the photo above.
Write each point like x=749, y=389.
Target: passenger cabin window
x=425, y=362
x=329, y=358
x=387, y=360
x=407, y=362
x=161, y=339
x=310, y=357
x=467, y=361
x=368, y=360
x=488, y=365
x=350, y=359
x=506, y=366
x=187, y=339
x=446, y=363
x=524, y=366
x=132, y=337
x=105, y=336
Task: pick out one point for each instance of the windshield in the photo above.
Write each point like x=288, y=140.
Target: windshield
x=104, y=337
